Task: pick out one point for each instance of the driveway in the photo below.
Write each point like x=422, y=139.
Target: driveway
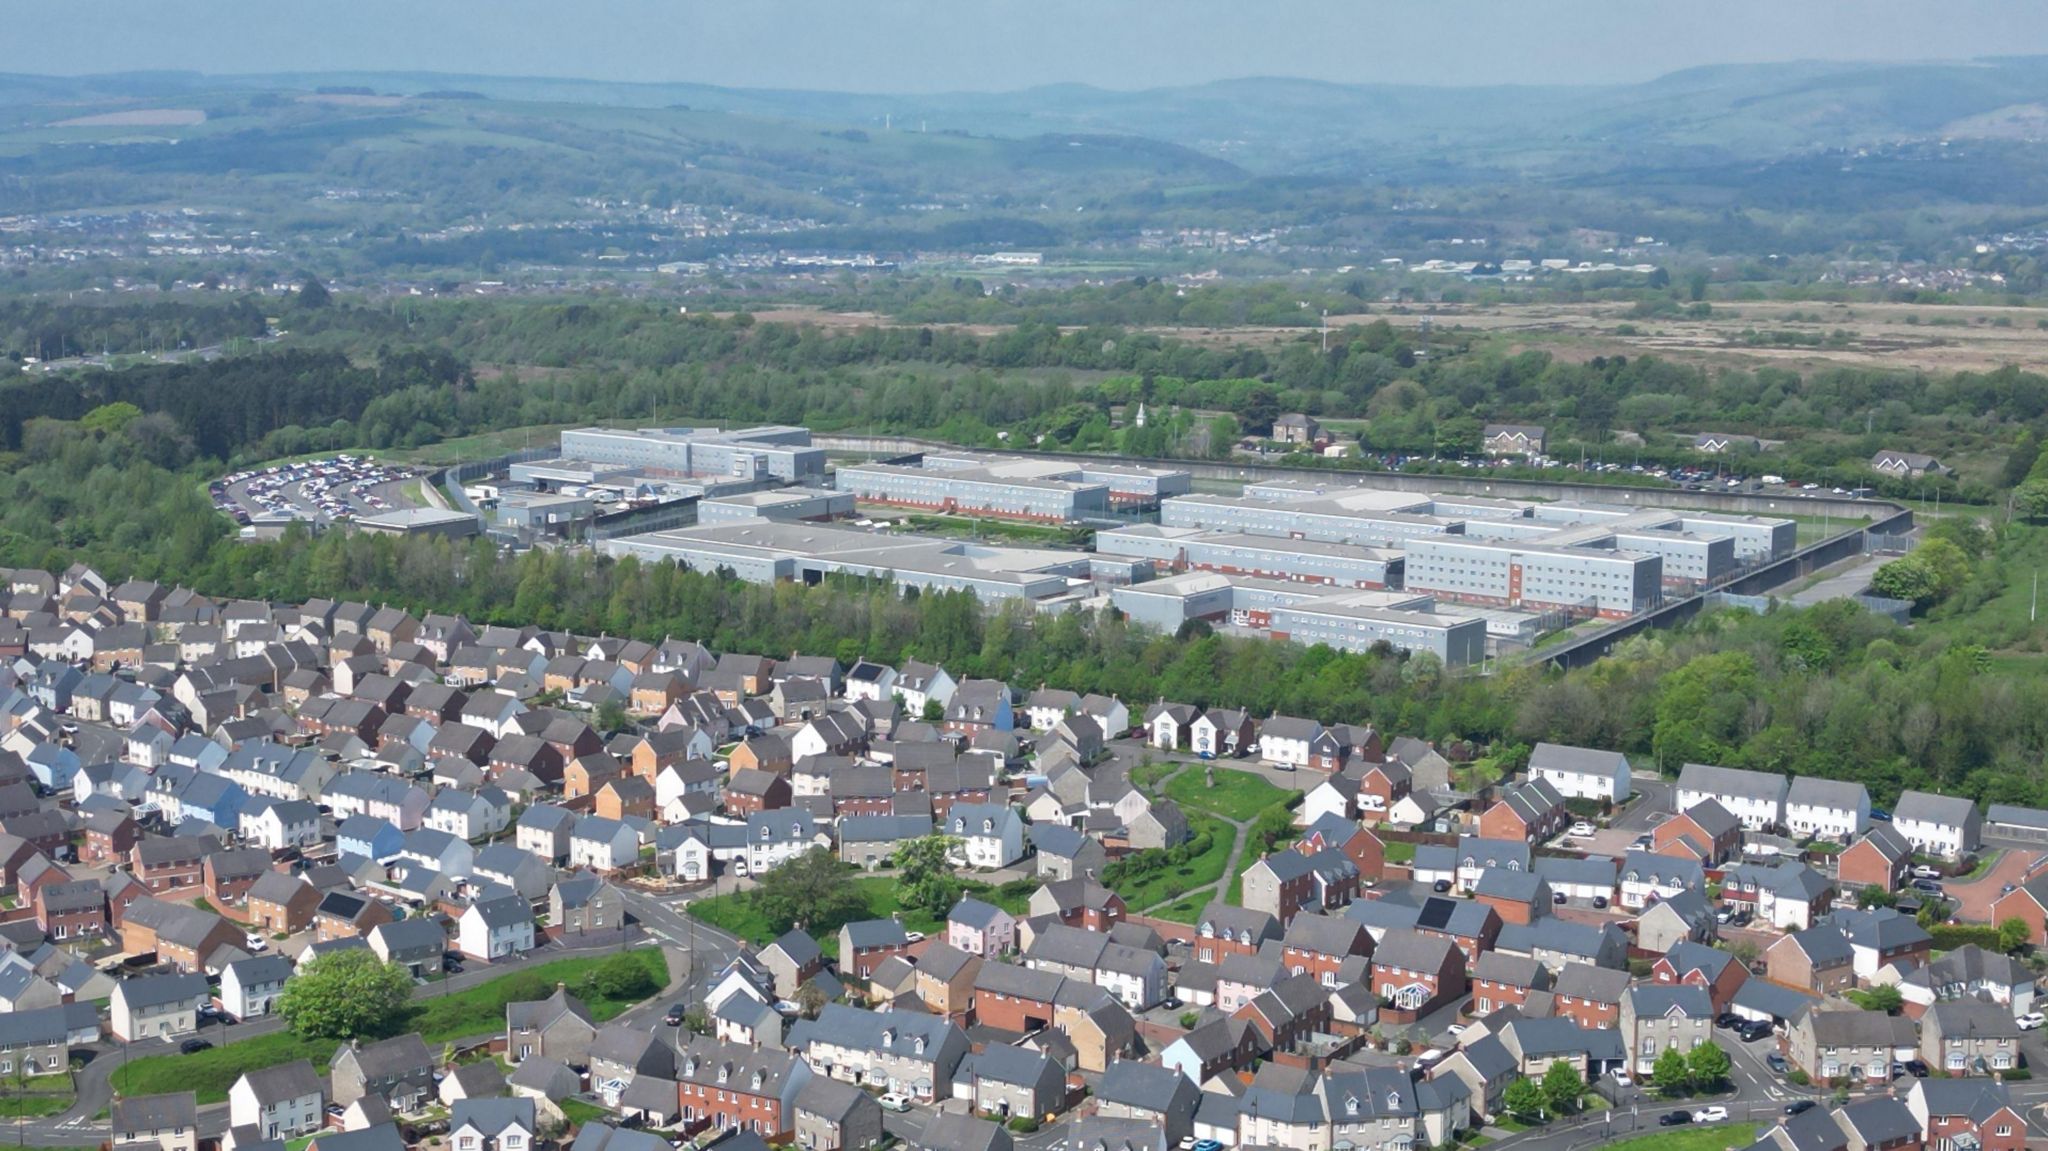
x=1977, y=896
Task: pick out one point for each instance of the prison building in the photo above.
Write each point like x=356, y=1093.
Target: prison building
x=775, y=452
x=1235, y=553
x=974, y=491
x=1756, y=537
x=784, y=505
x=1239, y=601
x=766, y=551
x=1349, y=626
x=1611, y=583
x=1327, y=519
x=1130, y=485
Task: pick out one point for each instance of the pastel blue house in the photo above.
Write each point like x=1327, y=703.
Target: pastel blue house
x=213, y=798
x=368, y=837
x=54, y=765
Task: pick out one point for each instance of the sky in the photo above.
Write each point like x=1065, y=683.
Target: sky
x=922, y=46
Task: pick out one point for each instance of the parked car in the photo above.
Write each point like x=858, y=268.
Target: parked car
x=895, y=1101
x=1926, y=872
x=1776, y=1063
x=1599, y=903
x=1881, y=815
x=1917, y=1068
x=1800, y=1106
x=1557, y=897
x=1581, y=829
x=1728, y=1021
x=1440, y=886
x=2032, y=1020
x=1624, y=1079
x=1752, y=1030
x=193, y=1046
x=1714, y=1114
x=1674, y=1119
x=1927, y=885
x=1643, y=842
x=1207, y=1145
x=914, y=936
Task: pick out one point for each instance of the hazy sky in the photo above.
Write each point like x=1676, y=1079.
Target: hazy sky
x=954, y=45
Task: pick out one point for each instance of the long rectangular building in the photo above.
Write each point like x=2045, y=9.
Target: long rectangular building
x=1129, y=484
x=775, y=452
x=1266, y=557
x=1326, y=519
x=1536, y=577
x=765, y=551
x=1346, y=620
x=974, y=491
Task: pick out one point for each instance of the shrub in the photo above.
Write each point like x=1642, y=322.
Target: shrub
x=1798, y=1078
x=1023, y=1124
x=1949, y=936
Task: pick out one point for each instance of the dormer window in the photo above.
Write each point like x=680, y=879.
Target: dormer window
x=987, y=826
x=1351, y=1105
x=764, y=835
x=917, y=1045
x=725, y=1073
x=1393, y=1101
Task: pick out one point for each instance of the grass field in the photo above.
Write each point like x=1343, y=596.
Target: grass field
x=1688, y=1139
x=579, y=1112
x=736, y=914
x=40, y=1095
x=1400, y=851
x=1194, y=876
x=472, y=1011
x=1238, y=795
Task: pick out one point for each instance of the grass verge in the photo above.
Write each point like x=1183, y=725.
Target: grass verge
x=471, y=1011
x=1238, y=795
x=1193, y=878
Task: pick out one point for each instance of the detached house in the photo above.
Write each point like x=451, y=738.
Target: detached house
x=1581, y=772
x=1531, y=812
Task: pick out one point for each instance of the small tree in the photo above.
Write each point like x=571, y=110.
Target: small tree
x=927, y=881
x=611, y=717
x=2013, y=934
x=1874, y=896
x=1670, y=1074
x=622, y=978
x=1709, y=1065
x=346, y=995
x=810, y=999
x=933, y=712
x=1886, y=999
x=1524, y=1099
x=1561, y=1088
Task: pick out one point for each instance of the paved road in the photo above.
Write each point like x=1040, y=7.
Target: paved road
x=1975, y=898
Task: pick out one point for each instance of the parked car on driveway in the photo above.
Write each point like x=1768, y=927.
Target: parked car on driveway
x=892, y=1101
x=2032, y=1020
x=1581, y=829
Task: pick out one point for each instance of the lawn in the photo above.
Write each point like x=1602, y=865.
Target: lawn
x=1235, y=896
x=579, y=1112
x=40, y=1095
x=1689, y=1139
x=1146, y=776
x=1199, y=872
x=1238, y=795
x=473, y=1011
x=736, y=914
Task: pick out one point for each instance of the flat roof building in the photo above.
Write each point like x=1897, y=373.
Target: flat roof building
x=764, y=551
x=1266, y=557
x=786, y=505
x=421, y=522
x=773, y=452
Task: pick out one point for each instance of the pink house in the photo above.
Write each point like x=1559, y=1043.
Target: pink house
x=980, y=928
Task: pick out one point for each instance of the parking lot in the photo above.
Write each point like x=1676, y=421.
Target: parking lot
x=319, y=491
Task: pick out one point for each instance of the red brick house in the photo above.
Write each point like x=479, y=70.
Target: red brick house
x=1289, y=1011
x=1697, y=965
x=864, y=944
x=1009, y=997
x=626, y=796
x=71, y=909
x=1224, y=930
x=1360, y=846
x=1880, y=859
x=1528, y=812
x=727, y=1087
x=280, y=902
x=168, y=864
x=229, y=874
x=1818, y=959
x=1500, y=980
x=1081, y=903
x=109, y=835
x=1317, y=945
x=1383, y=785
x=751, y=792
x=1949, y=1109
x=347, y=915
x=1589, y=996
x=1706, y=831
x=1416, y=974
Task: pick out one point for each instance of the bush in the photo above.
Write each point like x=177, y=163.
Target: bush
x=1188, y=1019
x=1023, y=1124
x=622, y=976
x=1949, y=936
x=1798, y=1078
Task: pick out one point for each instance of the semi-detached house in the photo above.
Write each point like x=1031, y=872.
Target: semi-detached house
x=1581, y=772
x=1756, y=798
x=1945, y=825
x=1826, y=808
